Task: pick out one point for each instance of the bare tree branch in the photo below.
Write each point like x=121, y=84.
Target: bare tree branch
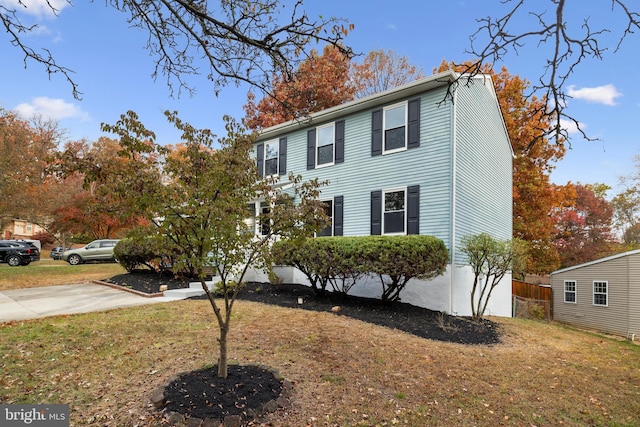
x=229, y=41
x=570, y=46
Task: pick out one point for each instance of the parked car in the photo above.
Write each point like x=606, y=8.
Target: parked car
x=56, y=253
x=17, y=253
x=98, y=250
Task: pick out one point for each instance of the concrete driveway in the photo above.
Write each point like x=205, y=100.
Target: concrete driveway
x=32, y=303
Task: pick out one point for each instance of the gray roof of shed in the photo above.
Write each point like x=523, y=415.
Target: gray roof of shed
x=597, y=261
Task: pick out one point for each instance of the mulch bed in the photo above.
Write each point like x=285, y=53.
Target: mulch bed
x=202, y=394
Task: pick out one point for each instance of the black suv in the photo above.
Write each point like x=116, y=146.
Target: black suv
x=17, y=253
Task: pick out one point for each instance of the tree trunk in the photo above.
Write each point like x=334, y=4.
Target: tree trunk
x=222, y=362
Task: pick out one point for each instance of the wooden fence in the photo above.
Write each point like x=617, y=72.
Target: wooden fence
x=534, y=293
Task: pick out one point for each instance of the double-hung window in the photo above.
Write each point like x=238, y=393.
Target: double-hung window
x=394, y=202
x=600, y=292
x=395, y=211
x=570, y=291
x=395, y=127
x=325, y=145
x=271, y=157
x=328, y=211
x=271, y=151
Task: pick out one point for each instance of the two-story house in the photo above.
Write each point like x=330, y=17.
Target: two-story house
x=431, y=157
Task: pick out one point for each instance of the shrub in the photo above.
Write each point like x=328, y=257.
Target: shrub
x=137, y=252
x=341, y=261
x=398, y=259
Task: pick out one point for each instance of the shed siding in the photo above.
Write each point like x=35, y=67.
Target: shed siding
x=634, y=296
x=483, y=166
x=620, y=316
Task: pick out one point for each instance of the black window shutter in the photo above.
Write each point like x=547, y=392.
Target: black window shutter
x=376, y=212
x=413, y=209
x=414, y=123
x=339, y=140
x=311, y=149
x=260, y=159
x=376, y=132
x=282, y=161
x=338, y=215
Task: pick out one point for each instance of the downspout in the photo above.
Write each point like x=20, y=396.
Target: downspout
x=629, y=334
x=454, y=176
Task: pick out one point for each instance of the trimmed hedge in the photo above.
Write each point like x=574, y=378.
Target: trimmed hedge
x=341, y=261
x=133, y=253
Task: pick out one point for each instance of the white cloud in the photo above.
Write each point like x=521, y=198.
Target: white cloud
x=38, y=8
x=571, y=127
x=56, y=109
x=606, y=94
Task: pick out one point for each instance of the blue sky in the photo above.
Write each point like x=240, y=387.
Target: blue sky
x=114, y=70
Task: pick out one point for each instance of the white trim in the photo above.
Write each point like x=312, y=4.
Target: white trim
x=454, y=177
x=275, y=142
x=331, y=125
x=606, y=293
x=333, y=204
x=405, y=105
x=404, y=223
x=575, y=292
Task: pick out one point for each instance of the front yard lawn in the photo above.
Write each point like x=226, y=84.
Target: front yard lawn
x=345, y=372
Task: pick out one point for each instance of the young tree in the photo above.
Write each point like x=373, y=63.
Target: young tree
x=198, y=199
x=567, y=44
x=231, y=41
x=382, y=70
x=321, y=81
x=491, y=260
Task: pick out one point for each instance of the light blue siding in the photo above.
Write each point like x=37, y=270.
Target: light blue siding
x=472, y=127
x=483, y=166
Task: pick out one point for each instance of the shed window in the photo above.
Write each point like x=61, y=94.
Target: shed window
x=570, y=291
x=600, y=292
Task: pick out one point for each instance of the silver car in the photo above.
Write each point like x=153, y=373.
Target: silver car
x=98, y=250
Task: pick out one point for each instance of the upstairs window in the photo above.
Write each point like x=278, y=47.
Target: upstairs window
x=271, y=158
x=600, y=293
x=570, y=291
x=325, y=145
x=395, y=129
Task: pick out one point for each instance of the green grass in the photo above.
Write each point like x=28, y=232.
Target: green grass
x=47, y=272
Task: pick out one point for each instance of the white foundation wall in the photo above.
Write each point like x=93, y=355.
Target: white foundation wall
x=450, y=292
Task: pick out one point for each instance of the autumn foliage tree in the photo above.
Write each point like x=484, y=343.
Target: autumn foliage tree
x=382, y=70
x=95, y=210
x=27, y=147
x=320, y=82
x=583, y=230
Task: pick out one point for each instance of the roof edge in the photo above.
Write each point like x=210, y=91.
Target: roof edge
x=597, y=261
x=415, y=87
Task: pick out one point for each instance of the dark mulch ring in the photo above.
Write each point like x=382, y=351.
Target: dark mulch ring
x=247, y=393
x=201, y=394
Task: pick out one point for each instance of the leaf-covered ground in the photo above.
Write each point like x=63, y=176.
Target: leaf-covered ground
x=203, y=395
